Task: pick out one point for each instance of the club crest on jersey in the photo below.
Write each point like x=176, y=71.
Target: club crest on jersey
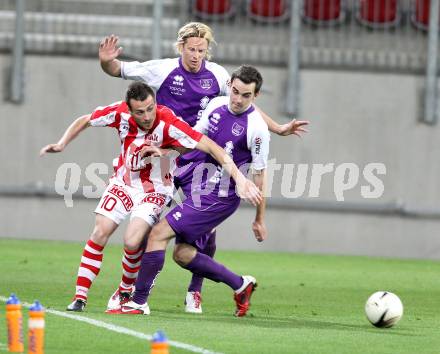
x=237, y=129
x=206, y=84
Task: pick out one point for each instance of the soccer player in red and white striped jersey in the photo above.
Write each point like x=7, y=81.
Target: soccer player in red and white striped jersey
x=141, y=186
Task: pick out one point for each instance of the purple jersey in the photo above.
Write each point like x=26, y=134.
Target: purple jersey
x=245, y=137
x=186, y=93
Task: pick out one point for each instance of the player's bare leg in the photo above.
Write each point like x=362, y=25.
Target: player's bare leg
x=91, y=260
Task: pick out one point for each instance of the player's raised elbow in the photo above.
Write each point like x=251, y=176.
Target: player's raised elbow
x=84, y=121
x=112, y=68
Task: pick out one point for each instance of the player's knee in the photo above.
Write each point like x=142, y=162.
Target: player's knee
x=100, y=235
x=131, y=244
x=179, y=258
x=183, y=255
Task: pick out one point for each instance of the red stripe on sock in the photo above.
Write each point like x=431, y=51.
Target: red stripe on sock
x=131, y=253
x=96, y=257
x=85, y=282
x=91, y=268
x=95, y=246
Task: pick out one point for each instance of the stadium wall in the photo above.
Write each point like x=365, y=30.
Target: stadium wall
x=357, y=118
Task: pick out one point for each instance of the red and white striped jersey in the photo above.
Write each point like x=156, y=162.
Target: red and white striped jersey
x=167, y=131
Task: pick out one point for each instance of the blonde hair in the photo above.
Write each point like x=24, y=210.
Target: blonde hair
x=194, y=29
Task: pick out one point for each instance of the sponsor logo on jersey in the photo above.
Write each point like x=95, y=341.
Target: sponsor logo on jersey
x=179, y=91
x=204, y=102
x=154, y=198
x=176, y=88
x=178, y=80
x=212, y=128
x=177, y=215
x=123, y=129
x=257, y=145
x=229, y=147
x=206, y=84
x=152, y=137
x=122, y=195
x=215, y=118
x=154, y=217
x=237, y=129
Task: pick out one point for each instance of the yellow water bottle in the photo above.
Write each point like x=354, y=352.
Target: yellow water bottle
x=36, y=329
x=14, y=319
x=159, y=343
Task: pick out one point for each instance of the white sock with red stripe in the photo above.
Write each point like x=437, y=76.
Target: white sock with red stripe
x=131, y=263
x=89, y=268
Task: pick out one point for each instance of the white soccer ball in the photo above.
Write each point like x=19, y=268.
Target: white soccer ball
x=384, y=309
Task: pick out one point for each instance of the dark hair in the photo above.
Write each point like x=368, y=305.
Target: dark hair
x=248, y=74
x=138, y=91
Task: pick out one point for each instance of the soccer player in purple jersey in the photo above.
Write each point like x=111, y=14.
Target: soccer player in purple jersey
x=185, y=84
x=235, y=124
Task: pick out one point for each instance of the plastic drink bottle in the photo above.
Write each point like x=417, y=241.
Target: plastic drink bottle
x=36, y=329
x=159, y=343
x=14, y=319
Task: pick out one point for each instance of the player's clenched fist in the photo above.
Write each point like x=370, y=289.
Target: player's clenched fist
x=51, y=148
x=260, y=231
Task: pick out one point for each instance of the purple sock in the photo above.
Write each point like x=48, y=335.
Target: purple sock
x=151, y=265
x=209, y=250
x=204, y=266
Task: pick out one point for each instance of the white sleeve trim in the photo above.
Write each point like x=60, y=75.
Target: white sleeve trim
x=221, y=75
x=152, y=72
x=105, y=120
x=184, y=139
x=258, y=139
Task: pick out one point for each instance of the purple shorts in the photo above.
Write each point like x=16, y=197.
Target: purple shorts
x=193, y=224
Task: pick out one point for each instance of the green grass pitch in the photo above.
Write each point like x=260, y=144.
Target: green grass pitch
x=304, y=303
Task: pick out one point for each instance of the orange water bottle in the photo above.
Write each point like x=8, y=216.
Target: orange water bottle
x=159, y=343
x=14, y=319
x=36, y=329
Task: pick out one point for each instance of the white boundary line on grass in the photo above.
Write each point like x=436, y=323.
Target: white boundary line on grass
x=3, y=347
x=119, y=329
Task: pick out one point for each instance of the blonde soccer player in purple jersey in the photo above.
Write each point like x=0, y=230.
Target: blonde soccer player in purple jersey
x=186, y=84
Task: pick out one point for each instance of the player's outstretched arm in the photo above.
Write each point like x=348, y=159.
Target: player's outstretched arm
x=259, y=226
x=245, y=187
x=108, y=52
x=71, y=133
x=294, y=127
